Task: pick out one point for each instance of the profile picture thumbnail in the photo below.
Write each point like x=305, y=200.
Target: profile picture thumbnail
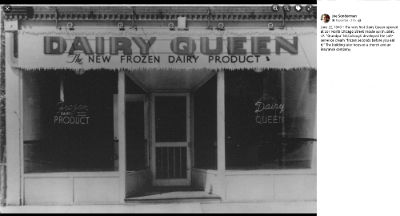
x=325, y=18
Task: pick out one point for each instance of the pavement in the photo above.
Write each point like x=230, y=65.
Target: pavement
x=265, y=207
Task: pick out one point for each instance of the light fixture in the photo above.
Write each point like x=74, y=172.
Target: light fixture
x=121, y=26
x=70, y=25
x=221, y=26
x=79, y=71
x=171, y=26
x=271, y=26
x=61, y=88
x=258, y=70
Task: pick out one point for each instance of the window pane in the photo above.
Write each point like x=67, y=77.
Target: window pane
x=74, y=135
x=135, y=136
x=170, y=114
x=270, y=119
x=205, y=125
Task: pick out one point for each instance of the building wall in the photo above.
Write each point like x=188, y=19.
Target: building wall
x=207, y=180
x=270, y=187
x=260, y=185
x=71, y=188
x=136, y=181
x=13, y=126
x=104, y=188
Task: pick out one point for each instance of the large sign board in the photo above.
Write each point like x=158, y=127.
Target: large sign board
x=163, y=49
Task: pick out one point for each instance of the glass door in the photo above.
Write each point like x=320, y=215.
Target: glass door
x=170, y=149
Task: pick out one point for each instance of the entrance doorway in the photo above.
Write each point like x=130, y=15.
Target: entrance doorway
x=136, y=123
x=170, y=151
x=169, y=132
x=137, y=157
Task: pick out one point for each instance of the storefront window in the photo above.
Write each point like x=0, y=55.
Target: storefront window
x=205, y=125
x=270, y=118
x=68, y=121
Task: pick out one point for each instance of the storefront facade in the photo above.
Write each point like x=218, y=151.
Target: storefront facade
x=103, y=102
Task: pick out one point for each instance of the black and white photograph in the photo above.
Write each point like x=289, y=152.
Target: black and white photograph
x=158, y=108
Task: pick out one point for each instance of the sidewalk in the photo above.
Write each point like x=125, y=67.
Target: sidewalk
x=268, y=207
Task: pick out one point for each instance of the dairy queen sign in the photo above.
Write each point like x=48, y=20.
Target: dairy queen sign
x=155, y=49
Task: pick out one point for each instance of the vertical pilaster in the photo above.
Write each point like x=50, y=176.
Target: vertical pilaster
x=121, y=135
x=13, y=125
x=221, y=131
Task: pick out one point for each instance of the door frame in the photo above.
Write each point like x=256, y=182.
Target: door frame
x=171, y=182
x=132, y=98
